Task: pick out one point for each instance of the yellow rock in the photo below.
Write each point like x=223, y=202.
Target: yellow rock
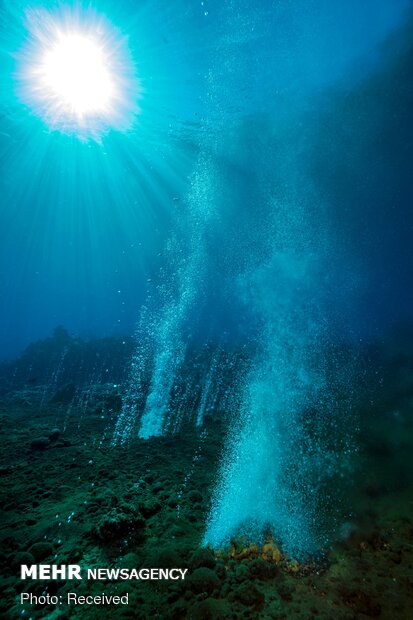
x=248, y=552
x=271, y=552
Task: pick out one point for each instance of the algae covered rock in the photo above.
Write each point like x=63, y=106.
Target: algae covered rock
x=65, y=394
x=210, y=609
x=360, y=601
x=149, y=507
x=40, y=443
x=19, y=558
x=203, y=557
x=241, y=572
x=203, y=580
x=248, y=595
x=121, y=522
x=195, y=497
x=54, y=434
x=131, y=560
x=41, y=550
x=260, y=569
x=169, y=556
x=75, y=554
x=285, y=591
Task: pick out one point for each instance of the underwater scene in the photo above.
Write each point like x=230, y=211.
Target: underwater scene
x=206, y=319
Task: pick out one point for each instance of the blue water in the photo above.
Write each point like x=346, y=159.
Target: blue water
x=254, y=198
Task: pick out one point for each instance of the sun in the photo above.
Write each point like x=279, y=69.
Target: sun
x=76, y=73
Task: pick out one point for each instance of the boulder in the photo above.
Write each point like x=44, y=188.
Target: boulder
x=203, y=557
x=54, y=434
x=40, y=443
x=118, y=524
x=203, y=580
x=41, y=550
x=248, y=595
x=19, y=558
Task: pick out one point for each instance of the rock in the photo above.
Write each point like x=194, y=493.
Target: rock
x=178, y=532
x=285, y=591
x=40, y=443
x=248, y=595
x=54, y=434
x=360, y=601
x=65, y=395
x=19, y=558
x=210, y=609
x=120, y=523
x=203, y=580
x=241, y=572
x=259, y=569
x=203, y=557
x=149, y=508
x=75, y=555
x=221, y=570
x=195, y=497
x=64, y=443
x=169, y=556
x=41, y=550
x=131, y=560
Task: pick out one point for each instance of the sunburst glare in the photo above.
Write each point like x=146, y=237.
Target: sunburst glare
x=77, y=74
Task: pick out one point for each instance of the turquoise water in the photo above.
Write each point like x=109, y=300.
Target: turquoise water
x=243, y=203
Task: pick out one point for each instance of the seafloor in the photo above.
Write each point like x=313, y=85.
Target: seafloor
x=69, y=497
